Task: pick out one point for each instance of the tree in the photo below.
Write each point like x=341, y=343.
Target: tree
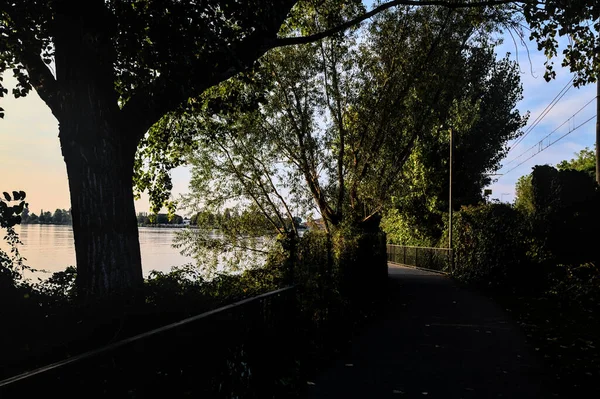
x=142, y=218
x=561, y=205
x=42, y=218
x=59, y=217
x=524, y=195
x=585, y=161
x=162, y=218
x=33, y=219
x=565, y=213
x=176, y=219
x=109, y=70
x=483, y=120
x=338, y=120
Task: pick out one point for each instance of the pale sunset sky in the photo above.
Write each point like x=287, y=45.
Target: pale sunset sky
x=30, y=157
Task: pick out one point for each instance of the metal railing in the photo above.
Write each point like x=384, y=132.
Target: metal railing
x=436, y=259
x=217, y=353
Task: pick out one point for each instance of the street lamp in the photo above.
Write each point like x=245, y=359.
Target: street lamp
x=450, y=208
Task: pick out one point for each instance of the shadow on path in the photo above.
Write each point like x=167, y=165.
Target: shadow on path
x=435, y=341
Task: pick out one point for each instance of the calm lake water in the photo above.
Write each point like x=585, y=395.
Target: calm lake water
x=51, y=247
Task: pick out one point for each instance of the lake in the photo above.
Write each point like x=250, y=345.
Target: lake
x=51, y=247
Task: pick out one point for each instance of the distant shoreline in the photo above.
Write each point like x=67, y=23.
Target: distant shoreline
x=178, y=226
x=163, y=226
x=45, y=224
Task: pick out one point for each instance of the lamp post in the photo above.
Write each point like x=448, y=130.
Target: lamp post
x=598, y=125
x=450, y=208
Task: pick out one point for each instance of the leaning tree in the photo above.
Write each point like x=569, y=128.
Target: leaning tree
x=110, y=69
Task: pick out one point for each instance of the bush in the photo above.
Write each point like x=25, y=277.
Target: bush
x=565, y=216
x=491, y=246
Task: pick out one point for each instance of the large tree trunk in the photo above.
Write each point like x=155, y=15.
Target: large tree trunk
x=98, y=145
x=100, y=169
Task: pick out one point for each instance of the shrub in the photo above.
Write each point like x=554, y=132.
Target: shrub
x=490, y=247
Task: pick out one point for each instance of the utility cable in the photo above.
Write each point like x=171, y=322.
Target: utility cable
x=550, y=134
x=545, y=112
x=550, y=144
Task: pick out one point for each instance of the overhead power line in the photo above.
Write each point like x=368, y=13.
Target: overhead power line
x=550, y=144
x=545, y=112
x=540, y=143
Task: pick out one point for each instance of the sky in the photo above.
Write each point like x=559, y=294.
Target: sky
x=31, y=160
x=537, y=95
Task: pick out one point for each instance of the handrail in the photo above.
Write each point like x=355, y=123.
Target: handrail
x=428, y=258
x=110, y=347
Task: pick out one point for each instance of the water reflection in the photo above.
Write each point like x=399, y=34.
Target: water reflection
x=51, y=247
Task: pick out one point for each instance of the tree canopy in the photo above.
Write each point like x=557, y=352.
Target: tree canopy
x=584, y=161
x=482, y=122
x=343, y=125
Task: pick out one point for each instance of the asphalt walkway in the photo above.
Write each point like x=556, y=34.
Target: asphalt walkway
x=435, y=341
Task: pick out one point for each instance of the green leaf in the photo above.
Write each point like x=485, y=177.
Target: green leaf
x=7, y=196
x=16, y=195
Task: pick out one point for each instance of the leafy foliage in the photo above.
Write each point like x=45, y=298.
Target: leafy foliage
x=579, y=21
x=554, y=303
x=561, y=206
x=483, y=118
x=11, y=265
x=545, y=245
x=491, y=248
x=585, y=161
x=524, y=195
x=410, y=228
x=355, y=110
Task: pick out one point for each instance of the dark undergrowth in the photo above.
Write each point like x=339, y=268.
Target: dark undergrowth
x=45, y=323
x=267, y=348
x=563, y=328
x=542, y=268
x=559, y=320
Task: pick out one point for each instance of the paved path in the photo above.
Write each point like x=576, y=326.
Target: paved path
x=436, y=341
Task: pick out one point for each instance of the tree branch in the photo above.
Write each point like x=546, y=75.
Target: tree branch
x=171, y=90
x=258, y=181
x=43, y=81
x=276, y=192
x=241, y=177
x=287, y=41
x=28, y=53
